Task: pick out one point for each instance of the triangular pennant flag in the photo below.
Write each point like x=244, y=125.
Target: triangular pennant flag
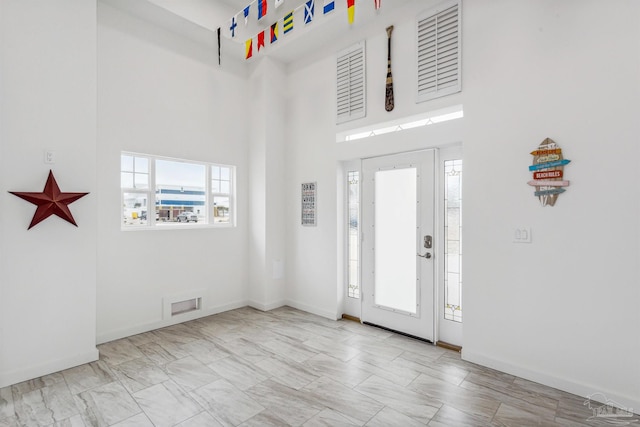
x=260, y=40
x=309, y=10
x=274, y=32
x=233, y=26
x=351, y=10
x=278, y=3
x=262, y=8
x=288, y=22
x=376, y=4
x=246, y=14
x=248, y=49
x=329, y=6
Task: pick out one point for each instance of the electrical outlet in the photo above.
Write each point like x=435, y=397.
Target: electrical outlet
x=49, y=157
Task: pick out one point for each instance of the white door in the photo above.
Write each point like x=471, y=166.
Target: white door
x=397, y=224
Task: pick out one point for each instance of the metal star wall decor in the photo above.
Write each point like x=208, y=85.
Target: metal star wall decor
x=51, y=201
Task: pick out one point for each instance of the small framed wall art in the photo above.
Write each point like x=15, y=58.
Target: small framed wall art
x=309, y=206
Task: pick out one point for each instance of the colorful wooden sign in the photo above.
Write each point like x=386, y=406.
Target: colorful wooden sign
x=546, y=165
x=545, y=152
x=542, y=182
x=548, y=158
x=552, y=191
x=548, y=172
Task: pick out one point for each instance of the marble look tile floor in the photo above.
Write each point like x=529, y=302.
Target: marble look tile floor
x=284, y=367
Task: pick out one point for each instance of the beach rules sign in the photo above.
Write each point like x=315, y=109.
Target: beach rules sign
x=548, y=172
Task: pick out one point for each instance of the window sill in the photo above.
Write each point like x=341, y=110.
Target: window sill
x=175, y=226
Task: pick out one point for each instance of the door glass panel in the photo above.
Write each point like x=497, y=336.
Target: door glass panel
x=453, y=246
x=395, y=216
x=354, y=234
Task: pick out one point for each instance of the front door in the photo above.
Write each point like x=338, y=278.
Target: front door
x=397, y=246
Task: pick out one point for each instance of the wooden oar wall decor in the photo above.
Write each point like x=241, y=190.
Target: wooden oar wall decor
x=548, y=172
x=388, y=98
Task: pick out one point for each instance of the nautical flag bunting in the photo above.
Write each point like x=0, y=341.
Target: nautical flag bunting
x=288, y=22
x=309, y=9
x=248, y=49
x=329, y=6
x=260, y=40
x=274, y=32
x=262, y=8
x=351, y=10
x=246, y=14
x=377, y=4
x=233, y=26
x=278, y=3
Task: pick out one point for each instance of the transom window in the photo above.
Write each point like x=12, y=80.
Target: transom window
x=164, y=192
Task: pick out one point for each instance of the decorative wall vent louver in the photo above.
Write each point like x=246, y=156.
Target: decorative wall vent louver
x=439, y=52
x=350, y=73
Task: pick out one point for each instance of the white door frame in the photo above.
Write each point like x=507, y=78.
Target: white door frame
x=353, y=306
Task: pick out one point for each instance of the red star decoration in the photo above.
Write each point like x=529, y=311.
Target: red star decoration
x=50, y=202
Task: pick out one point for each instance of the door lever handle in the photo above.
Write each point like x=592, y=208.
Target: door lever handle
x=426, y=255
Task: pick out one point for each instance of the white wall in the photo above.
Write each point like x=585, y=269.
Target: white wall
x=266, y=255
x=162, y=94
x=310, y=157
x=563, y=309
x=313, y=255
x=315, y=276
x=48, y=280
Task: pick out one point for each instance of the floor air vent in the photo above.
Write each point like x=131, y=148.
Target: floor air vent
x=185, y=306
x=182, y=303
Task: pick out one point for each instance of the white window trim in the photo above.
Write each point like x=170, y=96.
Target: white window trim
x=151, y=196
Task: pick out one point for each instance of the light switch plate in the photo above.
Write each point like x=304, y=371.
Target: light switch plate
x=522, y=235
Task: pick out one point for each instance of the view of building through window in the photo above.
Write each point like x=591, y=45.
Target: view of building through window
x=180, y=191
x=160, y=192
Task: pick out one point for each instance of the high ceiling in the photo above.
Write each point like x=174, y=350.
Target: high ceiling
x=330, y=32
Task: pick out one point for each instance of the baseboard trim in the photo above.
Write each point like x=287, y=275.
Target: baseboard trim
x=20, y=375
x=266, y=307
x=564, y=384
x=192, y=315
x=350, y=317
x=181, y=318
x=312, y=310
x=449, y=346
